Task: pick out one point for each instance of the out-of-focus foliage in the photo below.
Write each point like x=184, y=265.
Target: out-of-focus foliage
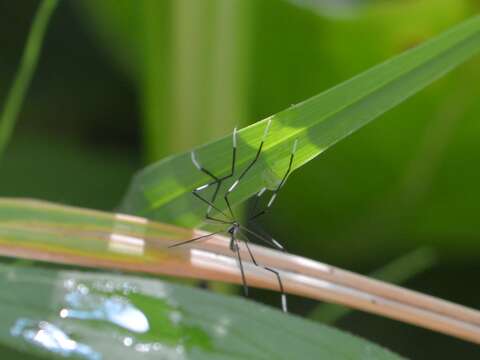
x=27, y=66
x=408, y=179
x=188, y=60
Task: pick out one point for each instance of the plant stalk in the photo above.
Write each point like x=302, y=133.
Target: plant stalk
x=23, y=77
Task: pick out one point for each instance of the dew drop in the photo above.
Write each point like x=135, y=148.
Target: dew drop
x=175, y=317
x=114, y=309
x=51, y=338
x=69, y=284
x=83, y=289
x=127, y=341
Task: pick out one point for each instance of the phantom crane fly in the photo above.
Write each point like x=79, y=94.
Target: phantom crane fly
x=236, y=231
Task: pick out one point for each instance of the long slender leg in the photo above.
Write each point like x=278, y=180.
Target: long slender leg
x=208, y=202
x=245, y=171
x=196, y=239
x=280, y=284
x=217, y=180
x=215, y=220
x=267, y=240
x=275, y=272
x=236, y=249
x=232, y=169
x=277, y=189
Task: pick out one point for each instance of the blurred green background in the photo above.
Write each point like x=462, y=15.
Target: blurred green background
x=122, y=83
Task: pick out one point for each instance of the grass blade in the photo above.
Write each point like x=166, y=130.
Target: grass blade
x=162, y=190
x=43, y=231
x=396, y=272
x=25, y=72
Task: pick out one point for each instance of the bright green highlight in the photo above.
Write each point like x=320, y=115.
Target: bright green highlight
x=162, y=191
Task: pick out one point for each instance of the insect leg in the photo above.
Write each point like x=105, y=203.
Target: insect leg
x=277, y=189
x=236, y=249
x=217, y=180
x=275, y=272
x=196, y=239
x=267, y=240
x=210, y=204
x=245, y=171
x=280, y=285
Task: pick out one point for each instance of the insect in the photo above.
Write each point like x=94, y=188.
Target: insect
x=232, y=227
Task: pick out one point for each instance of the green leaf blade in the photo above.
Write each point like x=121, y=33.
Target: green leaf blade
x=25, y=72
x=162, y=191
x=157, y=320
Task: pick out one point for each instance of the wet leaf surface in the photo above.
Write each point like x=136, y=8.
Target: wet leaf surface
x=51, y=313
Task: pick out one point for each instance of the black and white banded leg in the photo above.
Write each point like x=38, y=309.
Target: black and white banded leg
x=236, y=250
x=273, y=271
x=247, y=169
x=217, y=181
x=264, y=238
x=277, y=189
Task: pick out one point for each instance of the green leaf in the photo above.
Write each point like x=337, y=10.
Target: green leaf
x=396, y=272
x=25, y=72
x=162, y=191
x=40, y=230
x=105, y=316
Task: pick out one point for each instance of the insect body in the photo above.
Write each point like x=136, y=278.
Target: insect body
x=233, y=227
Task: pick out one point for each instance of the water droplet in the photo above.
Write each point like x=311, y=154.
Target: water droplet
x=168, y=352
x=222, y=326
x=140, y=347
x=83, y=289
x=107, y=286
x=51, y=338
x=128, y=288
x=115, y=302
x=175, y=317
x=115, y=309
x=69, y=284
x=127, y=341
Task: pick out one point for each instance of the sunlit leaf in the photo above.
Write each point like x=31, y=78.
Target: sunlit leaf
x=162, y=191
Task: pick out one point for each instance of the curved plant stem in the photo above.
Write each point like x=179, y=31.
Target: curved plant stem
x=396, y=272
x=48, y=232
